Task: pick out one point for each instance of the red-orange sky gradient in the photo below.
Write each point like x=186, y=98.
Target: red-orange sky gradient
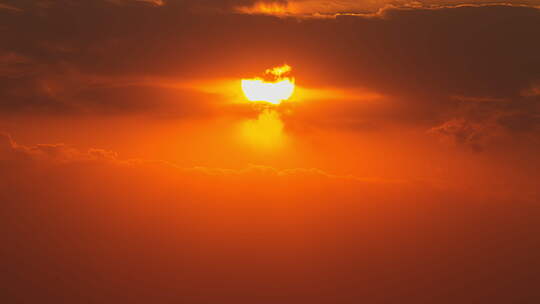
x=265, y=152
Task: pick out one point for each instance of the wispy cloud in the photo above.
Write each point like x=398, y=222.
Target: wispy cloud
x=8, y=7
x=151, y=2
x=333, y=9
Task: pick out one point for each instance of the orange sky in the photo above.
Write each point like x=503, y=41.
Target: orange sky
x=239, y=151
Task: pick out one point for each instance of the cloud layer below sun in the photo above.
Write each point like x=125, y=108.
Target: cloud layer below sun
x=147, y=226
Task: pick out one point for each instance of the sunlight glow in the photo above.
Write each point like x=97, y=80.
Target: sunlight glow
x=278, y=89
x=264, y=132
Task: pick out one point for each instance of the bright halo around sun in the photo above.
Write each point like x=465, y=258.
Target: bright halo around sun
x=275, y=89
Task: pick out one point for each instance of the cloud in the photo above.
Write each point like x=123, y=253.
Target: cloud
x=54, y=153
x=532, y=91
x=8, y=7
x=463, y=132
x=6, y=144
x=150, y=2
x=265, y=178
x=64, y=154
x=13, y=65
x=147, y=228
x=478, y=122
x=154, y=2
x=38, y=88
x=376, y=9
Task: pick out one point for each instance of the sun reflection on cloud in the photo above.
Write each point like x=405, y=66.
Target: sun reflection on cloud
x=264, y=132
x=266, y=8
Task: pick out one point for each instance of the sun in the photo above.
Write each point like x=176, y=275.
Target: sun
x=275, y=90
x=272, y=92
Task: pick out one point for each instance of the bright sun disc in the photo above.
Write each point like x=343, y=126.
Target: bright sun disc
x=259, y=90
x=272, y=92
